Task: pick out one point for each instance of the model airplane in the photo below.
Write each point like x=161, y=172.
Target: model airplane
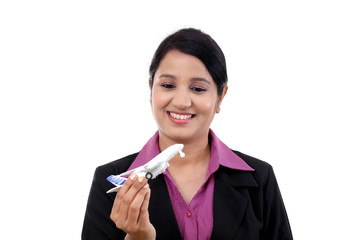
x=149, y=170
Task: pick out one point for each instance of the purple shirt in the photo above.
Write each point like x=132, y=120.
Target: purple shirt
x=195, y=218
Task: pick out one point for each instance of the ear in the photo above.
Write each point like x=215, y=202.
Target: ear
x=221, y=98
x=150, y=88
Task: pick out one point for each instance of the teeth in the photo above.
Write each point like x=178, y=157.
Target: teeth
x=180, y=117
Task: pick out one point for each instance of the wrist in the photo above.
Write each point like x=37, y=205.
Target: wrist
x=128, y=237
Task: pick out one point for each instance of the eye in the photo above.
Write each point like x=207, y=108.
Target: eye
x=198, y=89
x=167, y=85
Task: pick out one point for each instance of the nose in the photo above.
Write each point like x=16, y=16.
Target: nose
x=182, y=98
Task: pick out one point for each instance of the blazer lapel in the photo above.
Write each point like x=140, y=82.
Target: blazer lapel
x=230, y=203
x=161, y=213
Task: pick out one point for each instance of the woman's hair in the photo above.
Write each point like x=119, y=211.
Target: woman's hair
x=198, y=44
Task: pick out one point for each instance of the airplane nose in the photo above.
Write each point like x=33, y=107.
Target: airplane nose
x=179, y=146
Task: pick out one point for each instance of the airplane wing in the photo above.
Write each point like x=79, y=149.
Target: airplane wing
x=117, y=181
x=149, y=170
x=115, y=189
x=138, y=169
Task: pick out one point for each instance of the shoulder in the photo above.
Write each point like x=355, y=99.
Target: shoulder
x=257, y=164
x=115, y=167
x=263, y=170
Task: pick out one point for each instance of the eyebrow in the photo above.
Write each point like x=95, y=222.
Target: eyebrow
x=198, y=79
x=167, y=76
x=195, y=79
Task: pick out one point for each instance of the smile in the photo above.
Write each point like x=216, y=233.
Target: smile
x=180, y=118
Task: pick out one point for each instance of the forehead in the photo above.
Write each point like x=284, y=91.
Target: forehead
x=181, y=64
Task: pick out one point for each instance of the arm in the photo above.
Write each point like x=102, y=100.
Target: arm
x=97, y=222
x=130, y=209
x=276, y=223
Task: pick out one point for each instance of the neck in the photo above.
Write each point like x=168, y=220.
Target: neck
x=189, y=173
x=196, y=150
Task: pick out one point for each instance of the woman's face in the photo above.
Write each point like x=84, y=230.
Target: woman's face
x=184, y=97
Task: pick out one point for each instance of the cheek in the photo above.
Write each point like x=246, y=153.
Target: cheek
x=158, y=100
x=207, y=105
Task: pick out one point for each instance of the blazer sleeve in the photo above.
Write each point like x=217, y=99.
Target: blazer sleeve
x=97, y=222
x=276, y=222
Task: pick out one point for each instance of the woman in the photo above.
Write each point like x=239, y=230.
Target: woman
x=212, y=193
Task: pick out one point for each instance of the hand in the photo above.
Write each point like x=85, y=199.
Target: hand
x=130, y=209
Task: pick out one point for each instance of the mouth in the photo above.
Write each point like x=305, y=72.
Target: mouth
x=181, y=118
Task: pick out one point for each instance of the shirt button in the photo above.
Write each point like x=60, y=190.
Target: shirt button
x=188, y=214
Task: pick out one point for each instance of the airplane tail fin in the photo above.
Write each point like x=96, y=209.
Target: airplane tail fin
x=116, y=180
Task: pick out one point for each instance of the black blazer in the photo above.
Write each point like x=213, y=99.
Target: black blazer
x=247, y=205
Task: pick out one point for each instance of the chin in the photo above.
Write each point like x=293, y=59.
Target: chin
x=182, y=135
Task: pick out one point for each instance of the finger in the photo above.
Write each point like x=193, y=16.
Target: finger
x=136, y=187
x=114, y=215
x=128, y=183
x=123, y=190
x=144, y=213
x=135, y=206
x=127, y=199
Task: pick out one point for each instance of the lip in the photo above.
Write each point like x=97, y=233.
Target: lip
x=180, y=121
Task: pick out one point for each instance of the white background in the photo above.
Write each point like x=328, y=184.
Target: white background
x=74, y=95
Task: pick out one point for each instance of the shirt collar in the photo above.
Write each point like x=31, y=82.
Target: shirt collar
x=225, y=156
x=220, y=155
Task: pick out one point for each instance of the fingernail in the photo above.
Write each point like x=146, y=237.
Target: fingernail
x=141, y=179
x=146, y=186
x=132, y=176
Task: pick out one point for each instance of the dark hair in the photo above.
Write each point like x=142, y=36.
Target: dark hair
x=198, y=44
